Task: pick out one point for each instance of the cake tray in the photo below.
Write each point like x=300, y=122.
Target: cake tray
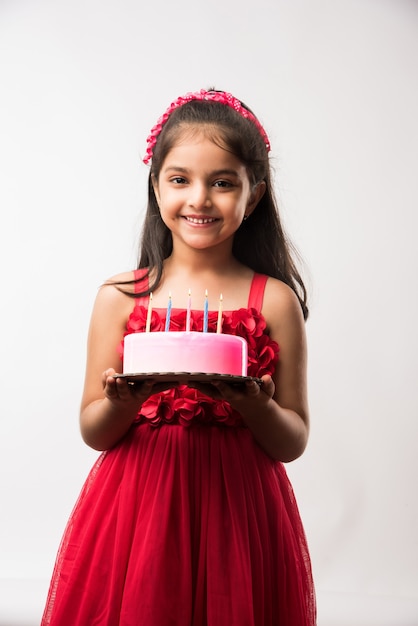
x=185, y=377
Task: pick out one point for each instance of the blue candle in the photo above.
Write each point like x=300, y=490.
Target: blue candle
x=206, y=313
x=167, y=319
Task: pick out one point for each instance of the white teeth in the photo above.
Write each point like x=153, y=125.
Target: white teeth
x=200, y=220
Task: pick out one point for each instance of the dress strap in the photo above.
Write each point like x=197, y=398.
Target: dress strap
x=255, y=299
x=141, y=278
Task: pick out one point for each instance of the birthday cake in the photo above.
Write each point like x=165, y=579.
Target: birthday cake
x=187, y=351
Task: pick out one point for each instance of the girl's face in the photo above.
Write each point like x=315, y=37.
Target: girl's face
x=203, y=193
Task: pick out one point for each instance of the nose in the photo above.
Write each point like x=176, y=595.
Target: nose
x=199, y=196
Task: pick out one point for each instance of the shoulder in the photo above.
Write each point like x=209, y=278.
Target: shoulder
x=279, y=296
x=281, y=307
x=115, y=294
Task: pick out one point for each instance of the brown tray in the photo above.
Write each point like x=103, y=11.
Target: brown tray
x=187, y=376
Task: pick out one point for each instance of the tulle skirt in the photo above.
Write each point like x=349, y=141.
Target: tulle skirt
x=180, y=526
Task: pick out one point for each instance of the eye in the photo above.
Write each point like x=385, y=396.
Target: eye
x=178, y=180
x=222, y=183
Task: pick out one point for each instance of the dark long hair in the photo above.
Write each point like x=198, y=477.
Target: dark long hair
x=260, y=242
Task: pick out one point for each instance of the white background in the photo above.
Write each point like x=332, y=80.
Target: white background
x=335, y=84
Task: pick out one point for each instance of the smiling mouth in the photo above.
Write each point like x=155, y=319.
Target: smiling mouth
x=200, y=220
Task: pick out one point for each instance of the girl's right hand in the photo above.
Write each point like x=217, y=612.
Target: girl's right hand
x=107, y=419
x=121, y=392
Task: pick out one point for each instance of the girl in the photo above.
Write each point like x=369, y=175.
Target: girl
x=188, y=518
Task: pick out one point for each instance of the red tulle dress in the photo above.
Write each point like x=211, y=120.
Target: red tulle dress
x=187, y=521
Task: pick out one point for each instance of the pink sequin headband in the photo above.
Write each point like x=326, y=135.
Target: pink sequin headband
x=213, y=96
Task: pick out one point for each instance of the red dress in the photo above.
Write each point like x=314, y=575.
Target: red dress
x=187, y=521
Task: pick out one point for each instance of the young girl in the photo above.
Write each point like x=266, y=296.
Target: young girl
x=188, y=517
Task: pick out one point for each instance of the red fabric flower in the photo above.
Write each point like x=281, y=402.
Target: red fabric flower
x=178, y=321
x=264, y=358
x=158, y=408
x=245, y=323
x=187, y=407
x=138, y=319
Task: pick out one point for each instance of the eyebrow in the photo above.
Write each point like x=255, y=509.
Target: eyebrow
x=185, y=170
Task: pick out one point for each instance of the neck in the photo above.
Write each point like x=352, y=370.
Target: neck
x=197, y=273
x=217, y=260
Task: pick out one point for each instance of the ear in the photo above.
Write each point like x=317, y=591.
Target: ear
x=256, y=194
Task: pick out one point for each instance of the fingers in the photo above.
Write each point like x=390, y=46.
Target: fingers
x=124, y=390
x=119, y=388
x=250, y=394
x=268, y=385
x=232, y=392
x=116, y=388
x=107, y=374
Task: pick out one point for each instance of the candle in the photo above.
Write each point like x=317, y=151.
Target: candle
x=167, y=319
x=148, y=324
x=206, y=313
x=219, y=324
x=189, y=310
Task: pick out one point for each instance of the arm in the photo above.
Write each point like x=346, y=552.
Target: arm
x=277, y=413
x=108, y=406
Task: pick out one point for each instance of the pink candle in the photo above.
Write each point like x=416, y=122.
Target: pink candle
x=148, y=323
x=189, y=310
x=219, y=324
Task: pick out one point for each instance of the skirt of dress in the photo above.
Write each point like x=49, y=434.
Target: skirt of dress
x=183, y=526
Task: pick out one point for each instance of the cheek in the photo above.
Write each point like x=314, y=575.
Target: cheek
x=166, y=215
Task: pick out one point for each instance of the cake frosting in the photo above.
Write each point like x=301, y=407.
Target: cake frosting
x=186, y=351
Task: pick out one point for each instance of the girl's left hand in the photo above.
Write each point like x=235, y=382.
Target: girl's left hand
x=241, y=397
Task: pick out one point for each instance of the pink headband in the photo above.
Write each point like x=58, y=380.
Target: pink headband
x=214, y=96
